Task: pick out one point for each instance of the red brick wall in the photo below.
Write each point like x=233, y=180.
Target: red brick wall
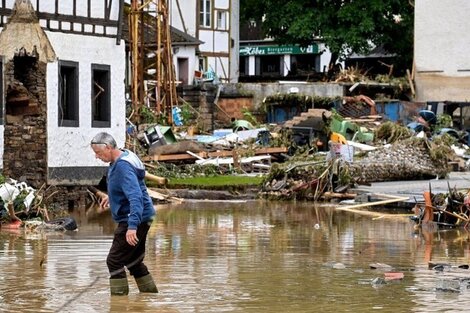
x=228, y=108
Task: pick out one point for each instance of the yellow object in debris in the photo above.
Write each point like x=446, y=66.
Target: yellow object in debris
x=338, y=138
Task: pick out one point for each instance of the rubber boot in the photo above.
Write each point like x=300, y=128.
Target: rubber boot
x=119, y=286
x=146, y=284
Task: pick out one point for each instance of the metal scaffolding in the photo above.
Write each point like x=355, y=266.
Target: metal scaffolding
x=153, y=75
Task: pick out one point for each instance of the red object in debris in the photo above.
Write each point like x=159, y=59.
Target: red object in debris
x=394, y=275
x=466, y=200
x=12, y=225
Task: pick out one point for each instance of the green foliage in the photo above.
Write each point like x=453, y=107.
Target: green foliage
x=187, y=113
x=344, y=26
x=390, y=132
x=344, y=176
x=443, y=121
x=148, y=116
x=440, y=149
x=277, y=172
x=336, y=116
x=444, y=140
x=248, y=116
x=303, y=101
x=217, y=181
x=170, y=170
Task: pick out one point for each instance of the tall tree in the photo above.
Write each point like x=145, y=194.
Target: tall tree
x=345, y=26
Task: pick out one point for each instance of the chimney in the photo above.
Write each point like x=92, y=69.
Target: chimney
x=26, y=50
x=24, y=33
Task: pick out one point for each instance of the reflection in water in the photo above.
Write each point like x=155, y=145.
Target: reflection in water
x=252, y=257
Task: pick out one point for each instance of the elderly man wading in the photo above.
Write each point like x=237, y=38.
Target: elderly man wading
x=132, y=209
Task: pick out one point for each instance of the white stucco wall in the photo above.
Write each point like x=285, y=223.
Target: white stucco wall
x=221, y=42
x=325, y=57
x=207, y=36
x=187, y=52
x=235, y=36
x=187, y=17
x=442, y=39
x=214, y=41
x=69, y=146
x=441, y=44
x=97, y=7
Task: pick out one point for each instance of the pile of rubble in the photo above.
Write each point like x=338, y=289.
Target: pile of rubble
x=320, y=153
x=332, y=176
x=403, y=160
x=22, y=206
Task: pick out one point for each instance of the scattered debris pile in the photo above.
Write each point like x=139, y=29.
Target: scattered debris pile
x=414, y=158
x=329, y=146
x=22, y=205
x=301, y=180
x=450, y=209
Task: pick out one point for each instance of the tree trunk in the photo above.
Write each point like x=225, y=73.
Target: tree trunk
x=332, y=65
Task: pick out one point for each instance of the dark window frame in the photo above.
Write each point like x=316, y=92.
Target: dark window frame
x=105, y=110
x=225, y=14
x=205, y=14
x=2, y=96
x=71, y=69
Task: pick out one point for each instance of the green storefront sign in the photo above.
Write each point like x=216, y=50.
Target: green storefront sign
x=274, y=50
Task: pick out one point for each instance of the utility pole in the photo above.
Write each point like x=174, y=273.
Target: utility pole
x=153, y=75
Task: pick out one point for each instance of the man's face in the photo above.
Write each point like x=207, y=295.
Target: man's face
x=102, y=152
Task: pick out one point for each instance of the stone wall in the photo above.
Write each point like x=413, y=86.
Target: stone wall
x=201, y=98
x=25, y=135
x=228, y=108
x=232, y=98
x=259, y=91
x=60, y=198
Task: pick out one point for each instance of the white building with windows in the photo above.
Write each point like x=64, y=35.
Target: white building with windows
x=61, y=82
x=267, y=59
x=262, y=58
x=216, y=24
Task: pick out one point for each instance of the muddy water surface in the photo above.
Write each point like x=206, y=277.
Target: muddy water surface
x=248, y=257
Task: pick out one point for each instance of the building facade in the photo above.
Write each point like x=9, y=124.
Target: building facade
x=216, y=24
x=59, y=89
x=266, y=59
x=261, y=58
x=441, y=39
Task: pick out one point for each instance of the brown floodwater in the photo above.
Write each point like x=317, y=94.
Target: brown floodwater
x=241, y=257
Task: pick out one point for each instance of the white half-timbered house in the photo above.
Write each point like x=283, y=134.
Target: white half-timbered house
x=62, y=73
x=216, y=24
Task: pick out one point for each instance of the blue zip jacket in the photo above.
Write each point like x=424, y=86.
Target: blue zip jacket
x=128, y=196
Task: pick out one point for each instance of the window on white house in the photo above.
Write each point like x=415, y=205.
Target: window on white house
x=100, y=95
x=222, y=20
x=205, y=11
x=68, y=94
x=202, y=64
x=1, y=91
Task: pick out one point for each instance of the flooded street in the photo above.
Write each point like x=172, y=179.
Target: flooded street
x=240, y=257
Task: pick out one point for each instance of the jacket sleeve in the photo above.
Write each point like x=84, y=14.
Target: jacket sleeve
x=131, y=189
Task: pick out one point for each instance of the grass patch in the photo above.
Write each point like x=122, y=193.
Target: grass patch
x=215, y=181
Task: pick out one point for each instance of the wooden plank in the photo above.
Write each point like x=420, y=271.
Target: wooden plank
x=224, y=153
x=169, y=157
x=353, y=208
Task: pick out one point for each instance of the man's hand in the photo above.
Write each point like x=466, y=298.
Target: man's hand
x=104, y=202
x=131, y=237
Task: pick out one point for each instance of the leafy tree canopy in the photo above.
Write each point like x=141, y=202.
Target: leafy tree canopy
x=345, y=26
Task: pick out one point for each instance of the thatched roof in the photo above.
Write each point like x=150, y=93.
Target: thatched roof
x=23, y=33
